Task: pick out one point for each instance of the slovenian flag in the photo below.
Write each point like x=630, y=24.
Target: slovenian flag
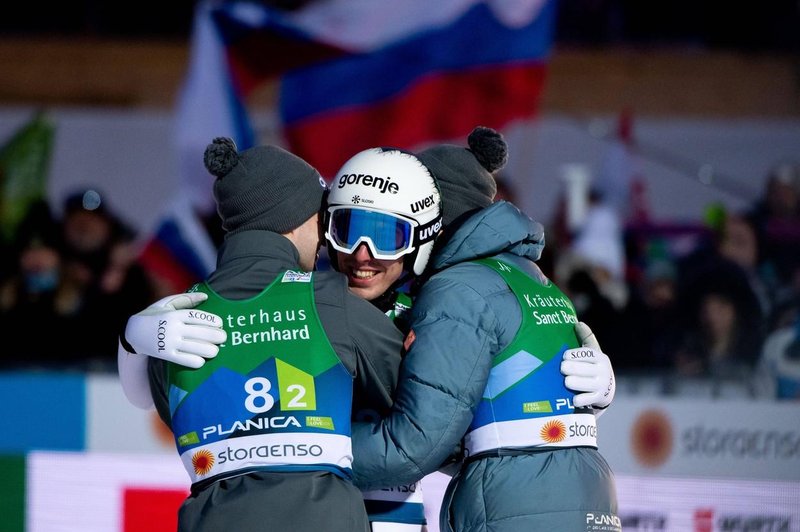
x=359, y=73
x=181, y=250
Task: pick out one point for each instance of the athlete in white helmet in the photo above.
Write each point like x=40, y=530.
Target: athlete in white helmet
x=384, y=212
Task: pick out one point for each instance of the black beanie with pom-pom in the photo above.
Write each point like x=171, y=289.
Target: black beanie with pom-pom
x=465, y=174
x=264, y=187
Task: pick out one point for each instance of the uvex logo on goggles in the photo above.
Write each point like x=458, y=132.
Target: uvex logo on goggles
x=383, y=184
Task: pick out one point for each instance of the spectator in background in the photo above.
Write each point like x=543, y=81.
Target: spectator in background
x=650, y=321
x=35, y=293
x=591, y=269
x=723, y=298
x=722, y=331
x=592, y=306
x=776, y=218
x=738, y=242
x=598, y=249
x=99, y=262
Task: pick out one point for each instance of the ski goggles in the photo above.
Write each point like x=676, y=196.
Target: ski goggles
x=388, y=236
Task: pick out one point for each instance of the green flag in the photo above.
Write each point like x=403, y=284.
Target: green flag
x=24, y=166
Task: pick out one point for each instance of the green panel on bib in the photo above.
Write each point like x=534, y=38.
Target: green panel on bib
x=297, y=391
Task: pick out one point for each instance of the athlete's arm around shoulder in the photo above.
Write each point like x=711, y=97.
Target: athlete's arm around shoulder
x=171, y=330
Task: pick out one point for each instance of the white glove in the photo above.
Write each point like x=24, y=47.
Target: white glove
x=587, y=369
x=171, y=329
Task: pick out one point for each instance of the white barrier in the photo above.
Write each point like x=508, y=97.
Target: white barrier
x=688, y=464
x=101, y=492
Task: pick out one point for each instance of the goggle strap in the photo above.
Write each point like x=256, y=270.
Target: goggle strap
x=428, y=231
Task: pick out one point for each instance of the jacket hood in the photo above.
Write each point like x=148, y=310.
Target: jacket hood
x=500, y=227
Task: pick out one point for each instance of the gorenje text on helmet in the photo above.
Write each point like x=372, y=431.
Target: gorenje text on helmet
x=381, y=183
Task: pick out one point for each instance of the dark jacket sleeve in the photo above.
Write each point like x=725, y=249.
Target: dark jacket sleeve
x=366, y=340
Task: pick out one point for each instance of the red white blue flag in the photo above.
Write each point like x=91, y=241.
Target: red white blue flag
x=181, y=250
x=359, y=73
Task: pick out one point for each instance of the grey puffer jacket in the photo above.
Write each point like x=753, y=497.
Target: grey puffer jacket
x=464, y=315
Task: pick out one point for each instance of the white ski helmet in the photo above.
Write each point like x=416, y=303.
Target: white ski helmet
x=388, y=199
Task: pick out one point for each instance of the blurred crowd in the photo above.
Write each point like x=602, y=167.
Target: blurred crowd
x=704, y=307
x=68, y=283
x=709, y=308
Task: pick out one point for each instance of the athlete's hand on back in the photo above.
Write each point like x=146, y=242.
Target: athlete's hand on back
x=588, y=370
x=173, y=330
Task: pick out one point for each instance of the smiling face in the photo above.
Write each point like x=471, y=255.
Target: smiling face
x=368, y=277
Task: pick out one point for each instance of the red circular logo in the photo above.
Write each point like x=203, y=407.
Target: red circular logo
x=651, y=438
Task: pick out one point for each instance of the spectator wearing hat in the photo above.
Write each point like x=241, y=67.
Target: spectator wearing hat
x=489, y=333
x=300, y=349
x=108, y=285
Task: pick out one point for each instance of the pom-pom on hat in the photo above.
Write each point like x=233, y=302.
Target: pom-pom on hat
x=264, y=187
x=465, y=174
